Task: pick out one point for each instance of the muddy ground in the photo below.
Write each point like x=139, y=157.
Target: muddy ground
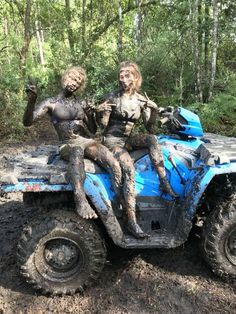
x=147, y=281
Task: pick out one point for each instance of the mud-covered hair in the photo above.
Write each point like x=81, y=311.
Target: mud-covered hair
x=135, y=70
x=74, y=72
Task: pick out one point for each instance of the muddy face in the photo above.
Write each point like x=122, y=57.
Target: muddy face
x=73, y=79
x=73, y=83
x=127, y=79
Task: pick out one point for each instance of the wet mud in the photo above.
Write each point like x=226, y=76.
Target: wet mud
x=133, y=281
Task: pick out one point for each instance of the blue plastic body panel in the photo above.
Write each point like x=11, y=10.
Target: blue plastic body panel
x=193, y=126
x=98, y=186
x=202, y=180
x=188, y=181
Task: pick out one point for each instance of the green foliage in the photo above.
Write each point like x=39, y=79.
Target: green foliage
x=218, y=116
x=87, y=33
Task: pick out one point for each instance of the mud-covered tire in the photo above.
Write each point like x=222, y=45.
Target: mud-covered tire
x=59, y=253
x=219, y=238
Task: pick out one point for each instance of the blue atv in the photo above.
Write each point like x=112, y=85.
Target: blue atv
x=61, y=253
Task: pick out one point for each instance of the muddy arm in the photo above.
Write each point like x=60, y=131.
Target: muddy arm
x=31, y=114
x=90, y=118
x=91, y=123
x=103, y=113
x=149, y=116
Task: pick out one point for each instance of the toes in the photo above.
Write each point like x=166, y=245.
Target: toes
x=91, y=215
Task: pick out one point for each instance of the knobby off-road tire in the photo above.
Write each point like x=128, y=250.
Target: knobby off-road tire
x=219, y=237
x=60, y=253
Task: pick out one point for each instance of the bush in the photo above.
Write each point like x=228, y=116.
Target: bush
x=218, y=116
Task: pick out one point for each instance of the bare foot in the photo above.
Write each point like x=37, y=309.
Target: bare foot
x=85, y=211
x=166, y=188
x=135, y=230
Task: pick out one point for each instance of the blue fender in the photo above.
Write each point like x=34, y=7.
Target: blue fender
x=97, y=187
x=199, y=181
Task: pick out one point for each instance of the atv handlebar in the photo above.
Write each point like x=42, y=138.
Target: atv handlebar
x=169, y=118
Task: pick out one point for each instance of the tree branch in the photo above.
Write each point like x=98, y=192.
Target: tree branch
x=97, y=33
x=3, y=48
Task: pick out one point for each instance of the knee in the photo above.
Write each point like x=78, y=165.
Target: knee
x=114, y=164
x=91, y=150
x=151, y=140
x=128, y=169
x=77, y=151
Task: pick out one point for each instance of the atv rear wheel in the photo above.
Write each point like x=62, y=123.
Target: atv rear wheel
x=219, y=238
x=59, y=253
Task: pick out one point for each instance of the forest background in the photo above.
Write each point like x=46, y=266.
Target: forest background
x=186, y=51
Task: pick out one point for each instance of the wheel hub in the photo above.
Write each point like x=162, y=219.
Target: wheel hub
x=61, y=254
x=230, y=247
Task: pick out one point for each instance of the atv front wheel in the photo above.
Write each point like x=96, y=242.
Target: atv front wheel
x=219, y=238
x=59, y=253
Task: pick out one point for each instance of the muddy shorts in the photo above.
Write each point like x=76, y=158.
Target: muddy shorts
x=112, y=141
x=81, y=143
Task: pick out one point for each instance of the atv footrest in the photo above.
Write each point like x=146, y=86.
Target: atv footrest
x=154, y=241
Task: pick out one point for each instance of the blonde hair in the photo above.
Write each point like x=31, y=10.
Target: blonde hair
x=72, y=73
x=135, y=70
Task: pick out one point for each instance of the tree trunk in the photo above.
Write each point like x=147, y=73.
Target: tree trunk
x=27, y=37
x=137, y=27
x=214, y=46
x=40, y=43
x=6, y=45
x=91, y=9
x=120, y=30
x=206, y=51
x=199, y=26
x=83, y=28
x=69, y=29
x=196, y=48
x=181, y=82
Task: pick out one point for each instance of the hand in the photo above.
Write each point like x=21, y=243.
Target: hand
x=106, y=106
x=88, y=106
x=150, y=104
x=31, y=91
x=89, y=109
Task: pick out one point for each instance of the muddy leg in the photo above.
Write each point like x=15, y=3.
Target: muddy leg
x=128, y=172
x=149, y=141
x=77, y=177
x=105, y=158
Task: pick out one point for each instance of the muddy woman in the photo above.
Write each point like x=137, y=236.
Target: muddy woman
x=75, y=125
x=117, y=116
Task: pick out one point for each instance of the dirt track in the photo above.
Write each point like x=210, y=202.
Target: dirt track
x=148, y=281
